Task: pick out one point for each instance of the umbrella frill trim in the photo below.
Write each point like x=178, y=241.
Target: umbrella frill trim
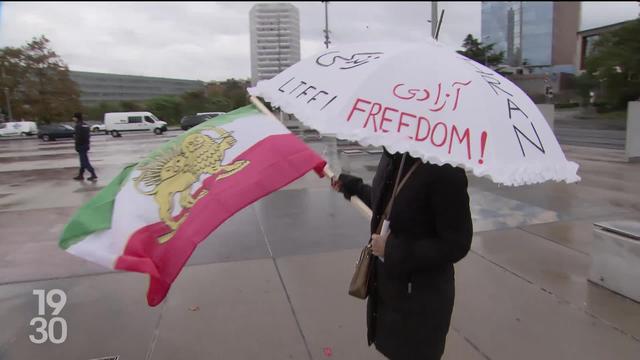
x=507, y=174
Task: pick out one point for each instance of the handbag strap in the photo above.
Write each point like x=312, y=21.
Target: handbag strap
x=404, y=180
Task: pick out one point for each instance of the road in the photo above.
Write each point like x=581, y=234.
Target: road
x=572, y=128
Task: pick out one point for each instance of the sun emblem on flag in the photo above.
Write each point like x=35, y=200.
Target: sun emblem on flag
x=175, y=171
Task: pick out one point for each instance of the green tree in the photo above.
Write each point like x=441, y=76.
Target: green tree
x=97, y=112
x=129, y=105
x=615, y=64
x=12, y=69
x=585, y=83
x=38, y=82
x=219, y=103
x=196, y=101
x=483, y=54
x=235, y=91
x=167, y=108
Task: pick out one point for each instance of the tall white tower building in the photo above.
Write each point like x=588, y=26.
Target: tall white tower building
x=275, y=39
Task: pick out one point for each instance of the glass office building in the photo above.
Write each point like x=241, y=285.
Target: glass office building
x=536, y=34
x=494, y=25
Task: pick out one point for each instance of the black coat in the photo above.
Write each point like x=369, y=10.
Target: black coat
x=412, y=291
x=82, y=137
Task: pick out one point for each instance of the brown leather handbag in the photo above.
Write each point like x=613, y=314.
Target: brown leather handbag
x=359, y=286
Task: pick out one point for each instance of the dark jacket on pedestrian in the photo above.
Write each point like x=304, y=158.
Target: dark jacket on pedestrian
x=412, y=292
x=82, y=137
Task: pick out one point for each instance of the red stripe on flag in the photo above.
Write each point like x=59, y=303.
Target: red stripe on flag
x=274, y=163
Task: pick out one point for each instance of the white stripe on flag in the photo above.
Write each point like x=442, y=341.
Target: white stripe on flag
x=133, y=210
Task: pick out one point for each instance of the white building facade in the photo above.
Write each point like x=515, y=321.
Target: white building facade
x=275, y=39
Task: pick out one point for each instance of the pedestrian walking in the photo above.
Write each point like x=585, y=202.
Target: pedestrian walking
x=412, y=286
x=83, y=139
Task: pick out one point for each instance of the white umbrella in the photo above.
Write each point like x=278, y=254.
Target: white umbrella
x=426, y=100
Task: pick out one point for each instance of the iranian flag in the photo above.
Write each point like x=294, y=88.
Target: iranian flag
x=151, y=217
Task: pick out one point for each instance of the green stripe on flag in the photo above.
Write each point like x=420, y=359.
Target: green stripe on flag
x=96, y=214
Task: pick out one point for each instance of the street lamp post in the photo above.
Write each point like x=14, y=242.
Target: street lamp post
x=326, y=24
x=434, y=18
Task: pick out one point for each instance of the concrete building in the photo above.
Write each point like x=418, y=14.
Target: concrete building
x=586, y=39
x=275, y=39
x=540, y=35
x=100, y=87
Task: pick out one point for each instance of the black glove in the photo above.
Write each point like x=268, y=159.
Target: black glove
x=350, y=185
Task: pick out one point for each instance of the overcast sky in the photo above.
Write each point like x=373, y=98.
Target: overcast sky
x=210, y=41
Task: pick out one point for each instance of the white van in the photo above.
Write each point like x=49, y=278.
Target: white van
x=118, y=122
x=23, y=128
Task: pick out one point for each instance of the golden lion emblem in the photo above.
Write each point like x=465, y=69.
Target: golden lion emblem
x=175, y=171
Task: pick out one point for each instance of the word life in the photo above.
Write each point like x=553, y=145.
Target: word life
x=331, y=59
x=520, y=132
x=306, y=92
x=419, y=128
x=403, y=92
x=56, y=299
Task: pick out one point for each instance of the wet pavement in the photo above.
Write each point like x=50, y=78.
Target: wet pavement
x=584, y=127
x=271, y=282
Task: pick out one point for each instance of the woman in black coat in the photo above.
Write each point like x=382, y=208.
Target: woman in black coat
x=411, y=292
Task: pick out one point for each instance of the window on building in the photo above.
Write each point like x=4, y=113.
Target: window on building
x=590, y=42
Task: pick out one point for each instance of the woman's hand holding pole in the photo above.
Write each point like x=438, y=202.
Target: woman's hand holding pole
x=355, y=201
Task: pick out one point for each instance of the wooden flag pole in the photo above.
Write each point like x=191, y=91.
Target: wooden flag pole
x=355, y=201
x=360, y=205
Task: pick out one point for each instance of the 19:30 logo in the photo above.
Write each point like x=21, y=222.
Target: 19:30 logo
x=55, y=329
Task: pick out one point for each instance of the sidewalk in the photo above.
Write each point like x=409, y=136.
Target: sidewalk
x=271, y=283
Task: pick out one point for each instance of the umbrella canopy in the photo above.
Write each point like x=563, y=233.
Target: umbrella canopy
x=426, y=100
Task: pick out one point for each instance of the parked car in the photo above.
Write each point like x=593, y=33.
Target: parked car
x=116, y=123
x=96, y=127
x=190, y=121
x=55, y=131
x=17, y=128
